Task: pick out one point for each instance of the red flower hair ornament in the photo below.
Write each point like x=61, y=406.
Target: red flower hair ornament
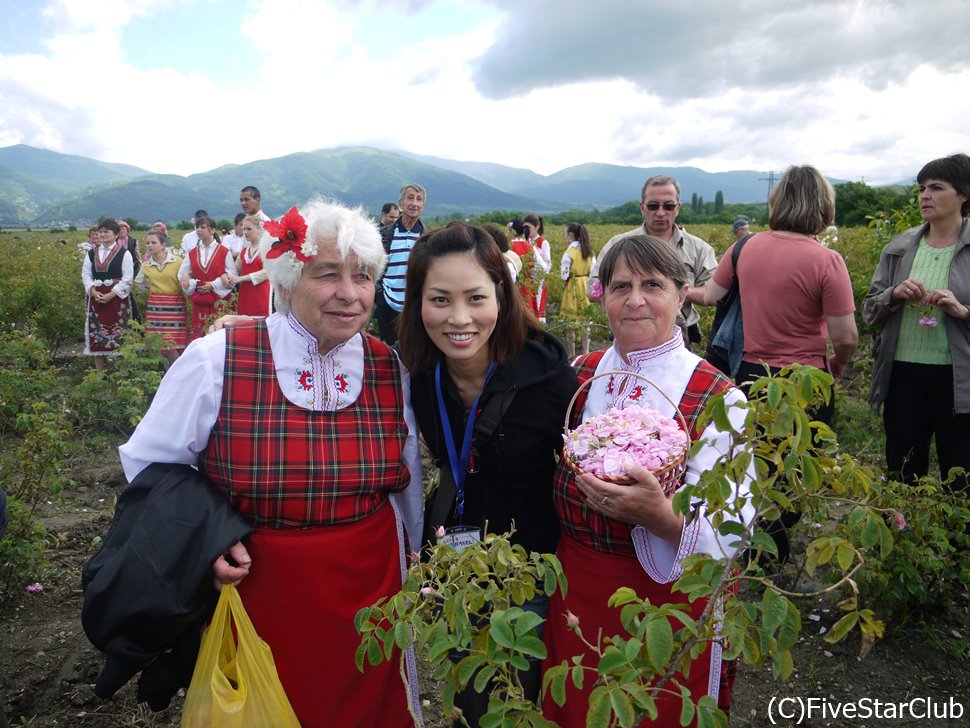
x=290, y=233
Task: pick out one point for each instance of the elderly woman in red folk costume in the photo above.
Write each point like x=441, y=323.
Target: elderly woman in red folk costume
x=107, y=274
x=305, y=423
x=628, y=535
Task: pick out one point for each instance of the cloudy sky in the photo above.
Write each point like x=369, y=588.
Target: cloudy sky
x=864, y=89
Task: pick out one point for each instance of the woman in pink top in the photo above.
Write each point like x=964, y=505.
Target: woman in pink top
x=795, y=296
x=795, y=292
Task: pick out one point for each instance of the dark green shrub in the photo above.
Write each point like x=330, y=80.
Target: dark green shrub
x=930, y=563
x=26, y=375
x=32, y=474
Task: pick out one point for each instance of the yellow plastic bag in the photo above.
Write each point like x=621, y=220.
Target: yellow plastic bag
x=235, y=684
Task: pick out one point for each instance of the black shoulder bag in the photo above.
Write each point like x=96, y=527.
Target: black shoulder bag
x=730, y=302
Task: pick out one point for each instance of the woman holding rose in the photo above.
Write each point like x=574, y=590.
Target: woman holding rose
x=919, y=302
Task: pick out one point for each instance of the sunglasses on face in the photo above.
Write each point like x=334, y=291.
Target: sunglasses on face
x=668, y=206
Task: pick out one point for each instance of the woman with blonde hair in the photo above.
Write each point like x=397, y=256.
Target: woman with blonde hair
x=796, y=297
x=253, y=280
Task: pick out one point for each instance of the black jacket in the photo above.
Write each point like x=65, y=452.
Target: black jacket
x=516, y=465
x=149, y=589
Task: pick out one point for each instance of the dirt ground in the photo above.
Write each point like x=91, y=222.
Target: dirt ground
x=48, y=667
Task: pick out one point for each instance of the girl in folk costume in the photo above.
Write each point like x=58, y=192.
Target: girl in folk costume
x=574, y=269
x=201, y=274
x=331, y=477
x=628, y=535
x=534, y=228
x=530, y=277
x=107, y=273
x=166, y=313
x=254, y=287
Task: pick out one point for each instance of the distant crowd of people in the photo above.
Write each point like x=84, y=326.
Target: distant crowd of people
x=311, y=427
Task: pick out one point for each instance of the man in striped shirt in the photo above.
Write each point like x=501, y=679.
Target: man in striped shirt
x=398, y=238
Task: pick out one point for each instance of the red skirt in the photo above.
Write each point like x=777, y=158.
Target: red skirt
x=203, y=313
x=253, y=300
x=593, y=577
x=105, y=324
x=302, y=593
x=167, y=316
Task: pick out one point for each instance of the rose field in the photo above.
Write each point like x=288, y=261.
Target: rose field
x=867, y=625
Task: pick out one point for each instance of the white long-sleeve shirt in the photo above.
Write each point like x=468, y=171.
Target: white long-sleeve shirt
x=176, y=427
x=122, y=286
x=670, y=367
x=205, y=255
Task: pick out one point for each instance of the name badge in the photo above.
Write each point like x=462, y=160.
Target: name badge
x=461, y=537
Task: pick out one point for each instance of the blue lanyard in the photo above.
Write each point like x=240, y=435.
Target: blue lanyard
x=459, y=465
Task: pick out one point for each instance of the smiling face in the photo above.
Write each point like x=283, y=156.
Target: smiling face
x=459, y=309
x=939, y=201
x=333, y=297
x=641, y=307
x=659, y=207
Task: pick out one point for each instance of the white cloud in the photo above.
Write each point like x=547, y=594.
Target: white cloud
x=542, y=84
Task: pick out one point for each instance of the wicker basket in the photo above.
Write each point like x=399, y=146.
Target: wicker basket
x=669, y=474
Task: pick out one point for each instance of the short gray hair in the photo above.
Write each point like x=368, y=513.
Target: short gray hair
x=658, y=180
x=326, y=220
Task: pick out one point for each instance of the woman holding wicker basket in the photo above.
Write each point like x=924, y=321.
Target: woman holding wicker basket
x=615, y=534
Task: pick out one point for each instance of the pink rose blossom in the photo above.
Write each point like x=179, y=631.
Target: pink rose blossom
x=35, y=588
x=608, y=445
x=899, y=520
x=572, y=621
x=440, y=533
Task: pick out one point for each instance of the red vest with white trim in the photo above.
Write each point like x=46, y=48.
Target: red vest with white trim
x=284, y=466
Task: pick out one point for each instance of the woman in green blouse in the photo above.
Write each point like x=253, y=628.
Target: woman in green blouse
x=918, y=303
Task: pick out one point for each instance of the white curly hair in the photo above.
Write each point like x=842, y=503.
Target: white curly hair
x=326, y=220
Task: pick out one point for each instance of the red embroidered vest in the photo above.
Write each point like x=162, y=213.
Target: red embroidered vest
x=216, y=267
x=576, y=518
x=284, y=466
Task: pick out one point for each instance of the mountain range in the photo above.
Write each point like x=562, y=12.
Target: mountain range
x=42, y=188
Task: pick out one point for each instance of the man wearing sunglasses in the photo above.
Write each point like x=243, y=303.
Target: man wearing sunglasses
x=659, y=205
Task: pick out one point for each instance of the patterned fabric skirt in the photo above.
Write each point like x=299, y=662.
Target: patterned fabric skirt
x=167, y=316
x=105, y=325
